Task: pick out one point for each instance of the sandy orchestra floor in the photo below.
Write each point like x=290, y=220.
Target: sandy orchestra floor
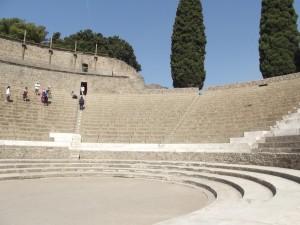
x=95, y=201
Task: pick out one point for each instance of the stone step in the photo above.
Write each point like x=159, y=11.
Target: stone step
x=221, y=190
x=254, y=168
x=160, y=165
x=285, y=132
x=169, y=174
x=277, y=150
x=246, y=184
x=292, y=116
x=168, y=170
x=289, y=121
x=186, y=175
x=279, y=145
x=282, y=139
x=284, y=125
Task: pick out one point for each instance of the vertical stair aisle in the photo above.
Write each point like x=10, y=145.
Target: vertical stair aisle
x=77, y=137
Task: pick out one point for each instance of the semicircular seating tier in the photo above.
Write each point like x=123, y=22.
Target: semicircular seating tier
x=237, y=194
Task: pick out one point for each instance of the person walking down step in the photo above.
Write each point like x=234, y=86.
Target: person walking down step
x=81, y=103
x=37, y=86
x=44, y=97
x=82, y=89
x=7, y=93
x=49, y=92
x=25, y=94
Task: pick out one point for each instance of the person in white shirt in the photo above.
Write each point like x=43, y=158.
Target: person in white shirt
x=37, y=88
x=81, y=90
x=7, y=94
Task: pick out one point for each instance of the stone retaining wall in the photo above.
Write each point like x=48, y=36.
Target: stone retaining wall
x=263, y=159
x=66, y=59
x=23, y=152
x=291, y=161
x=17, y=75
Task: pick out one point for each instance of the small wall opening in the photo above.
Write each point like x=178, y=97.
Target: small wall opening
x=85, y=67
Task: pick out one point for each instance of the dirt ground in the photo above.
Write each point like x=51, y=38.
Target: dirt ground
x=95, y=201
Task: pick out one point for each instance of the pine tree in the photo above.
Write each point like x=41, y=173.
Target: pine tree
x=278, y=44
x=188, y=45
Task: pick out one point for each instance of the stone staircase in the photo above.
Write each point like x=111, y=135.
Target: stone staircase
x=78, y=121
x=283, y=137
x=289, y=125
x=282, y=144
x=238, y=193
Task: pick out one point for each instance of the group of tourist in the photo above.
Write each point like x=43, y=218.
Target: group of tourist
x=45, y=94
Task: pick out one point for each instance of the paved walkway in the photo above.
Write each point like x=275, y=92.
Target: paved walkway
x=94, y=201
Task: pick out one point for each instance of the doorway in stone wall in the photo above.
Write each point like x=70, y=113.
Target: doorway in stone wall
x=83, y=86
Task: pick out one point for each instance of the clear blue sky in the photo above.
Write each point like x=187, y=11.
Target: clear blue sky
x=232, y=30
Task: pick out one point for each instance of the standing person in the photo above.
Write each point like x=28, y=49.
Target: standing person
x=44, y=97
x=37, y=88
x=49, y=93
x=7, y=94
x=25, y=94
x=82, y=90
x=81, y=103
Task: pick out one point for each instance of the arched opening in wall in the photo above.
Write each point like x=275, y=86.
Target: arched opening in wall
x=83, y=88
x=85, y=67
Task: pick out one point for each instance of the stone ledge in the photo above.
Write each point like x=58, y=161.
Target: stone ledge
x=64, y=140
x=212, y=148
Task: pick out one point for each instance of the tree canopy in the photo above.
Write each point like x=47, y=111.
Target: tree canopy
x=86, y=40
x=188, y=45
x=278, y=44
x=15, y=27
